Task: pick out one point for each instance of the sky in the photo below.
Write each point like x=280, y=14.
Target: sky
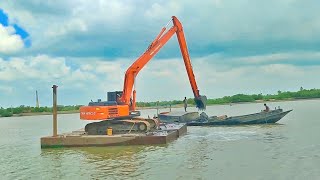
x=85, y=47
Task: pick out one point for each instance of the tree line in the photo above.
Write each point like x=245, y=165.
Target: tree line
x=238, y=98
x=27, y=109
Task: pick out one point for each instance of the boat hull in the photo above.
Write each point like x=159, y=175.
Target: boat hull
x=257, y=118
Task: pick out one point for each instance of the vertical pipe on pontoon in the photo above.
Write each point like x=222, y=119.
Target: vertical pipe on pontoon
x=54, y=111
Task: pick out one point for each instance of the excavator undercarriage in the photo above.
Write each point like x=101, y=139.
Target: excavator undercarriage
x=135, y=125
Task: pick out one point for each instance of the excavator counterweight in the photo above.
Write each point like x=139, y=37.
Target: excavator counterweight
x=119, y=111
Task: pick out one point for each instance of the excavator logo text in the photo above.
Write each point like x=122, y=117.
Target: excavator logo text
x=88, y=113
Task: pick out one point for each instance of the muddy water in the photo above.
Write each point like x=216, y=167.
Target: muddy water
x=288, y=150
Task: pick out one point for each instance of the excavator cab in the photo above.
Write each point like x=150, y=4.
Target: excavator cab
x=110, y=109
x=114, y=96
x=113, y=99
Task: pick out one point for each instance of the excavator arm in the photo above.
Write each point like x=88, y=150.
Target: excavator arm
x=128, y=96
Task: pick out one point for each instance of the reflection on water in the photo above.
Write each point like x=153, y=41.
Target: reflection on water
x=97, y=153
x=113, y=162
x=287, y=150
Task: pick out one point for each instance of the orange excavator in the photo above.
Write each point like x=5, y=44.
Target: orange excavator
x=119, y=112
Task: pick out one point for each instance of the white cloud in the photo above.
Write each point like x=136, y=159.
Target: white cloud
x=5, y=89
x=74, y=25
x=217, y=79
x=162, y=79
x=162, y=11
x=271, y=58
x=128, y=25
x=41, y=67
x=9, y=41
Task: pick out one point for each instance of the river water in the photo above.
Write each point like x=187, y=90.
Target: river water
x=287, y=150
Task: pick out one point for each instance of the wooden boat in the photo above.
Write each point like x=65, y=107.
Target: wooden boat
x=256, y=118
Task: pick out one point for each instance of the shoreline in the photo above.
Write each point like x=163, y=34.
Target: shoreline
x=162, y=107
x=41, y=113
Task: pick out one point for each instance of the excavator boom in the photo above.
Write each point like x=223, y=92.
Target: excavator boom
x=152, y=50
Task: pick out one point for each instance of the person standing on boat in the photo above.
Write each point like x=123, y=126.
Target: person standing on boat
x=267, y=108
x=185, y=103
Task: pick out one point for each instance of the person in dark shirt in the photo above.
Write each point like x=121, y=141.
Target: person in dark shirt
x=267, y=108
x=185, y=103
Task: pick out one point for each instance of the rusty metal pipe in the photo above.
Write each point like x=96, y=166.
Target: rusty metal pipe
x=54, y=111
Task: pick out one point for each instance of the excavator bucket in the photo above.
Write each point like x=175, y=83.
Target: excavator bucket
x=201, y=102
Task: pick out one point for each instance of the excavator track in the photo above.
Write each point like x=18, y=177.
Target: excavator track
x=136, y=125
